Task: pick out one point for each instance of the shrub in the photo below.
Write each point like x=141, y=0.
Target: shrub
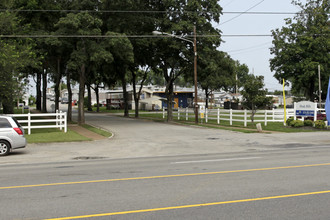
x=289, y=120
x=320, y=124
x=297, y=123
x=308, y=123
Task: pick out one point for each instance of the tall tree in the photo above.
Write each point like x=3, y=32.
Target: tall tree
x=216, y=72
x=301, y=46
x=15, y=55
x=85, y=49
x=175, y=56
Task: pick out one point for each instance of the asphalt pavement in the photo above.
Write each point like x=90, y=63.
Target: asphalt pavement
x=280, y=184
x=133, y=138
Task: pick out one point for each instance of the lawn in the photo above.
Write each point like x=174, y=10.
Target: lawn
x=46, y=135
x=236, y=126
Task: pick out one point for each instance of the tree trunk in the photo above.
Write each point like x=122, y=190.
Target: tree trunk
x=123, y=82
x=206, y=98
x=81, y=115
x=57, y=84
x=97, y=98
x=253, y=113
x=38, y=91
x=68, y=82
x=169, y=96
x=44, y=90
x=135, y=95
x=89, y=97
x=7, y=103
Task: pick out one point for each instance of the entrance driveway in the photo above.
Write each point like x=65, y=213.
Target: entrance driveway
x=141, y=138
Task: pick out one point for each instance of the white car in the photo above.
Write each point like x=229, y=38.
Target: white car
x=11, y=135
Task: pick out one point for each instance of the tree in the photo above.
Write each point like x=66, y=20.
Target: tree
x=301, y=46
x=241, y=74
x=85, y=49
x=174, y=56
x=15, y=55
x=254, y=96
x=216, y=72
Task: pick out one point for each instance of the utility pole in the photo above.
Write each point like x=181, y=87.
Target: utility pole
x=319, y=70
x=195, y=76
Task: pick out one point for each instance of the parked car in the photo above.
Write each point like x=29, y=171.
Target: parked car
x=320, y=116
x=11, y=135
x=65, y=101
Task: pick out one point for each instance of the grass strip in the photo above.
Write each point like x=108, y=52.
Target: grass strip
x=97, y=130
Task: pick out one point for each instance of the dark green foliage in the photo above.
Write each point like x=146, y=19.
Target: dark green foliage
x=301, y=46
x=254, y=96
x=297, y=124
x=308, y=123
x=289, y=121
x=319, y=124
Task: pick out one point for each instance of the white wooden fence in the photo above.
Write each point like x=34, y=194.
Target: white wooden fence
x=244, y=116
x=43, y=120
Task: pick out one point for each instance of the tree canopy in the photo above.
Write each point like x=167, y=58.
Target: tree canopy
x=301, y=46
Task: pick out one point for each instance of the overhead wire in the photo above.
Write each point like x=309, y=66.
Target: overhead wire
x=241, y=13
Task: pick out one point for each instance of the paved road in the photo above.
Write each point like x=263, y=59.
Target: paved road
x=279, y=184
x=140, y=138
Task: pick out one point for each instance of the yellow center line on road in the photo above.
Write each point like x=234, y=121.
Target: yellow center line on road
x=165, y=176
x=190, y=206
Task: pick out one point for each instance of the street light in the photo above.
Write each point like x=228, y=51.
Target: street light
x=195, y=64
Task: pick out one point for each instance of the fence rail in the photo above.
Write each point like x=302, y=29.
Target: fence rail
x=244, y=116
x=42, y=120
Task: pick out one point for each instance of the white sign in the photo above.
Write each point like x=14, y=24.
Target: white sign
x=305, y=109
x=202, y=108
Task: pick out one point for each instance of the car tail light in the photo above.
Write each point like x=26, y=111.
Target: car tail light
x=19, y=131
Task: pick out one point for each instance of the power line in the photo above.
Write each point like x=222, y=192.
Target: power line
x=242, y=13
x=248, y=48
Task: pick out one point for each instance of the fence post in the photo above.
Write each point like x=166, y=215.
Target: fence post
x=206, y=110
x=245, y=117
x=231, y=116
x=59, y=119
x=178, y=113
x=29, y=123
x=218, y=116
x=65, y=123
x=266, y=117
x=163, y=113
x=186, y=113
x=273, y=115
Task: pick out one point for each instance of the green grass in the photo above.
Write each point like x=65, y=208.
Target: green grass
x=236, y=126
x=46, y=135
x=97, y=130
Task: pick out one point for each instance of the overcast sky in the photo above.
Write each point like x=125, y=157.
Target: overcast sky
x=253, y=51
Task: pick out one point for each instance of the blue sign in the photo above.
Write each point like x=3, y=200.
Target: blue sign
x=304, y=113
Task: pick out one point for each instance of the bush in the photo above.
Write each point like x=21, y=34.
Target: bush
x=308, y=123
x=297, y=123
x=289, y=121
x=319, y=124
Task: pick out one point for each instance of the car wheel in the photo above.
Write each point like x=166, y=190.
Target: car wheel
x=4, y=148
